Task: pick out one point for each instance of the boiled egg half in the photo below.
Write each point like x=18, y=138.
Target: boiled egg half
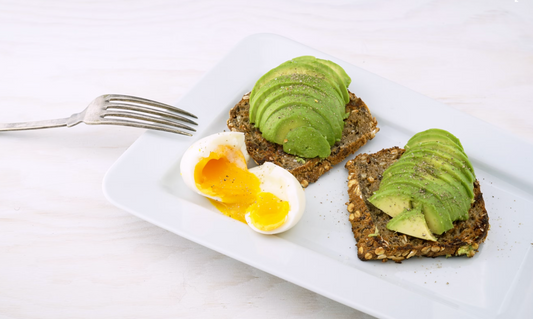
x=267, y=197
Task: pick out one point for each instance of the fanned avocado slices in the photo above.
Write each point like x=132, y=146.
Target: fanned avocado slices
x=435, y=175
x=328, y=71
x=301, y=98
x=283, y=121
x=435, y=209
x=268, y=93
x=434, y=134
x=301, y=105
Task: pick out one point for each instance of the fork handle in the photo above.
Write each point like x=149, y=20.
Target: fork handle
x=20, y=126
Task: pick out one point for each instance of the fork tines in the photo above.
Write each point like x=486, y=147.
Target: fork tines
x=147, y=113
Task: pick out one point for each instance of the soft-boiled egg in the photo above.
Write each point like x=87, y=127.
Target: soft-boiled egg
x=267, y=197
x=281, y=203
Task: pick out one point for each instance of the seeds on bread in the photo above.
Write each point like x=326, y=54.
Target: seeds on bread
x=359, y=128
x=376, y=242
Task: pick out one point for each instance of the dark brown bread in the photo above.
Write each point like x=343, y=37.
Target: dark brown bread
x=375, y=241
x=359, y=128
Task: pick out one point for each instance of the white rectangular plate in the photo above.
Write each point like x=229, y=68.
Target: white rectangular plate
x=319, y=253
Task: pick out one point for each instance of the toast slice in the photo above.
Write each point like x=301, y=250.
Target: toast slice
x=375, y=241
x=359, y=128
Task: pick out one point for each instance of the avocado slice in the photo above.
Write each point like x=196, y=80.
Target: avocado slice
x=309, y=114
x=413, y=223
x=420, y=166
x=437, y=175
x=340, y=71
x=391, y=201
x=440, y=159
x=328, y=120
x=328, y=71
x=268, y=93
x=282, y=121
x=280, y=97
x=297, y=90
x=437, y=218
x=315, y=70
x=307, y=142
x=434, y=134
x=452, y=151
x=450, y=191
x=441, y=169
x=334, y=66
x=452, y=195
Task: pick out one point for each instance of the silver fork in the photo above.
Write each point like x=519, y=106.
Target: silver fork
x=116, y=109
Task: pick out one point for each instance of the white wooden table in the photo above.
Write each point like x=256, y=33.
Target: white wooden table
x=65, y=252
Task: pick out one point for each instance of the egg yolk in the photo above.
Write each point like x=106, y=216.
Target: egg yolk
x=268, y=212
x=224, y=174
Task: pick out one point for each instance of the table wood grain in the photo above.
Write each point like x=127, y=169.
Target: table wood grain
x=65, y=252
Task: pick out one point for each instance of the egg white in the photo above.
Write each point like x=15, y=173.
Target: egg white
x=285, y=186
x=274, y=179
x=202, y=148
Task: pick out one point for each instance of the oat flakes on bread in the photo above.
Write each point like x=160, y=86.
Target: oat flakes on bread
x=359, y=128
x=375, y=241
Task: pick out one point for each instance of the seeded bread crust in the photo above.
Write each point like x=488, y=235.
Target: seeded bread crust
x=375, y=241
x=359, y=128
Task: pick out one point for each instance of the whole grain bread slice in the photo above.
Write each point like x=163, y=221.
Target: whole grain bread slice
x=359, y=128
x=376, y=242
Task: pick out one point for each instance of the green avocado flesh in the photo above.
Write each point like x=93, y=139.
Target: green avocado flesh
x=453, y=152
x=436, y=211
x=326, y=70
x=332, y=121
x=413, y=223
x=391, y=201
x=451, y=198
x=306, y=141
x=283, y=85
x=340, y=71
x=435, y=175
x=439, y=158
x=429, y=178
x=434, y=134
x=443, y=169
x=304, y=92
x=281, y=122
